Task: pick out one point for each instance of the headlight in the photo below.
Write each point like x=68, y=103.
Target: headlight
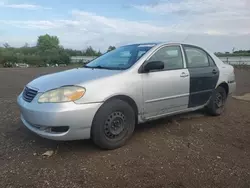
x=63, y=94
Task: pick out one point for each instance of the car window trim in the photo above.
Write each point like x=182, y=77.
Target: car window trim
x=197, y=47
x=214, y=64
x=140, y=70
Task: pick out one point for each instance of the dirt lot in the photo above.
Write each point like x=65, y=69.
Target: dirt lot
x=193, y=150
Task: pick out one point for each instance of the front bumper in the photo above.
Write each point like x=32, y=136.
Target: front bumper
x=40, y=118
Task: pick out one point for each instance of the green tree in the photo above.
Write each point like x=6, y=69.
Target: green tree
x=64, y=57
x=90, y=51
x=26, y=45
x=74, y=52
x=33, y=60
x=111, y=48
x=99, y=53
x=6, y=45
x=55, y=56
x=9, y=56
x=47, y=42
x=47, y=50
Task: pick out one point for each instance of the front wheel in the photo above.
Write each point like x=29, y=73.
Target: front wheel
x=217, y=102
x=113, y=124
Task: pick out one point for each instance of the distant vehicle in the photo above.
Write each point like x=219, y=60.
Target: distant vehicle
x=62, y=65
x=22, y=65
x=132, y=84
x=55, y=65
x=9, y=65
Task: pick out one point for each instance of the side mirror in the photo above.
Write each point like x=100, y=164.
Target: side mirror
x=153, y=65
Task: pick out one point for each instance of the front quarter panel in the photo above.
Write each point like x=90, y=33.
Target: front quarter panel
x=126, y=83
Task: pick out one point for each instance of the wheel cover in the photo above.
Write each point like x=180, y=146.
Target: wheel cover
x=219, y=100
x=115, y=125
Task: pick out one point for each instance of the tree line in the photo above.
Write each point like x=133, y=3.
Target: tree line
x=234, y=53
x=47, y=51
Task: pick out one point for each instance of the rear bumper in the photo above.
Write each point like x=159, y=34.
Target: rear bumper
x=40, y=118
x=232, y=88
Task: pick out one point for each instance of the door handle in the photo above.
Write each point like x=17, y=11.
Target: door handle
x=214, y=71
x=183, y=75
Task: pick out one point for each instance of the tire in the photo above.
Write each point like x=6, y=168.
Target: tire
x=113, y=124
x=217, y=102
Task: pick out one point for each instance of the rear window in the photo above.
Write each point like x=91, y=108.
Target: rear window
x=196, y=57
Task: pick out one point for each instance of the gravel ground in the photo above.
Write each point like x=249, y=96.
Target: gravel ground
x=191, y=150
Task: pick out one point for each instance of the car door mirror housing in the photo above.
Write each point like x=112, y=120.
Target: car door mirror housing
x=153, y=65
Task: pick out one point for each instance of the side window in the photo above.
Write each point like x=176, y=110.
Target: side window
x=196, y=57
x=211, y=61
x=171, y=56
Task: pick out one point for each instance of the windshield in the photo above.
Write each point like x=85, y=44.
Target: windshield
x=121, y=58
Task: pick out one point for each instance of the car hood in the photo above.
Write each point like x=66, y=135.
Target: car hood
x=76, y=76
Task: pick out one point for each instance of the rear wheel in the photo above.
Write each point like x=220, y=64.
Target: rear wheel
x=217, y=102
x=113, y=124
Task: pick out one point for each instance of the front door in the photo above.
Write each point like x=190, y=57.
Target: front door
x=167, y=90
x=204, y=75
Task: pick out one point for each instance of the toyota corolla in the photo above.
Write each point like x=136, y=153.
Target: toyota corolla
x=106, y=98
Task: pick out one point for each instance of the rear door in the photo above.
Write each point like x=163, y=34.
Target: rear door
x=204, y=75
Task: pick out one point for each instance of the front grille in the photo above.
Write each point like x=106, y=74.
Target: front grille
x=29, y=94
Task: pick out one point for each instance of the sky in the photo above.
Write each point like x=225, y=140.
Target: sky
x=218, y=25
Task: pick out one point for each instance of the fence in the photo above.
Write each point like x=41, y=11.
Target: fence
x=236, y=60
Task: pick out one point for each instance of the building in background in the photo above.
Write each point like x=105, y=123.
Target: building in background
x=236, y=60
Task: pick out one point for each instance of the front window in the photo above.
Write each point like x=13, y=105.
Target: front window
x=171, y=56
x=120, y=59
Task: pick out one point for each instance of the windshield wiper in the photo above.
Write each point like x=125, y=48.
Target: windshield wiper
x=101, y=67
x=96, y=67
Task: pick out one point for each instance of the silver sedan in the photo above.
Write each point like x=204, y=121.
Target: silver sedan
x=133, y=84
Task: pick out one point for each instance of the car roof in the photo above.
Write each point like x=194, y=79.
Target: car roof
x=178, y=43
x=143, y=44
x=160, y=43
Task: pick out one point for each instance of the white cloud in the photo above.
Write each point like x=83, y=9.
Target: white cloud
x=114, y=25
x=196, y=6
x=223, y=17
x=41, y=24
x=86, y=28
x=23, y=6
